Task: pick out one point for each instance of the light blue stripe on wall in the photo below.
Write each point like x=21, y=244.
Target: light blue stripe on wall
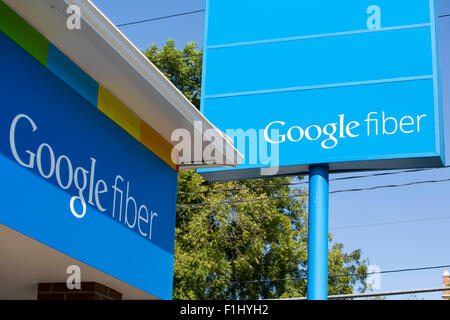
x=68, y=71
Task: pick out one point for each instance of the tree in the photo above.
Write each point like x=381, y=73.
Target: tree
x=247, y=250
x=182, y=67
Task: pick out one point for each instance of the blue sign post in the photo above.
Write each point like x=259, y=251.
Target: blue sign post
x=353, y=85
x=318, y=233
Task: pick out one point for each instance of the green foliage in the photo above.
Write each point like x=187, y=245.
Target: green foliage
x=260, y=240
x=248, y=250
x=340, y=263
x=182, y=67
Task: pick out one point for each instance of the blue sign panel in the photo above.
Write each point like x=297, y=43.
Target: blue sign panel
x=354, y=83
x=75, y=181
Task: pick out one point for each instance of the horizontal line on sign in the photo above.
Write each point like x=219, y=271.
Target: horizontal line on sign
x=315, y=36
x=316, y=87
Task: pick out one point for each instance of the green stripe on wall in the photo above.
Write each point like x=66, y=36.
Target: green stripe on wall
x=23, y=34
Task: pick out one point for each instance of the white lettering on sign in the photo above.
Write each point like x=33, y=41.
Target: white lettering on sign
x=89, y=189
x=331, y=132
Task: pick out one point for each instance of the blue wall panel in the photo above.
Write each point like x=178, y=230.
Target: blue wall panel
x=72, y=74
x=56, y=148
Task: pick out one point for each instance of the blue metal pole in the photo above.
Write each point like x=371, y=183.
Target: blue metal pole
x=318, y=233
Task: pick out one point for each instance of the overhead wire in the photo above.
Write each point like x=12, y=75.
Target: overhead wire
x=305, y=182
x=159, y=18
x=187, y=13
x=208, y=284
x=390, y=223
x=228, y=202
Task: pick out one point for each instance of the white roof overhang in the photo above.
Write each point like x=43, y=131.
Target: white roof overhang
x=110, y=58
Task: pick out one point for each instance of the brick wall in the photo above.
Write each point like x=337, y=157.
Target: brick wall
x=88, y=291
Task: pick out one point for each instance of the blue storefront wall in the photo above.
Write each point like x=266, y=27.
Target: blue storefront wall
x=75, y=181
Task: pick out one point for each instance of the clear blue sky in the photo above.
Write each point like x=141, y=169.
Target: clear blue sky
x=182, y=29
x=396, y=246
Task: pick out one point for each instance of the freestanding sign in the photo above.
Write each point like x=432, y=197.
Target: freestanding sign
x=354, y=83
x=314, y=86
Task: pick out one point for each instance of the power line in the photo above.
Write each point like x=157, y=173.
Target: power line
x=186, y=56
x=376, y=294
x=160, y=18
x=377, y=225
x=391, y=186
x=208, y=284
x=299, y=195
x=390, y=223
x=235, y=201
x=385, y=224
x=187, y=13
x=304, y=182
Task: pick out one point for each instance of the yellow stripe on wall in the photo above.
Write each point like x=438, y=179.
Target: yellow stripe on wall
x=132, y=124
x=119, y=113
x=157, y=144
